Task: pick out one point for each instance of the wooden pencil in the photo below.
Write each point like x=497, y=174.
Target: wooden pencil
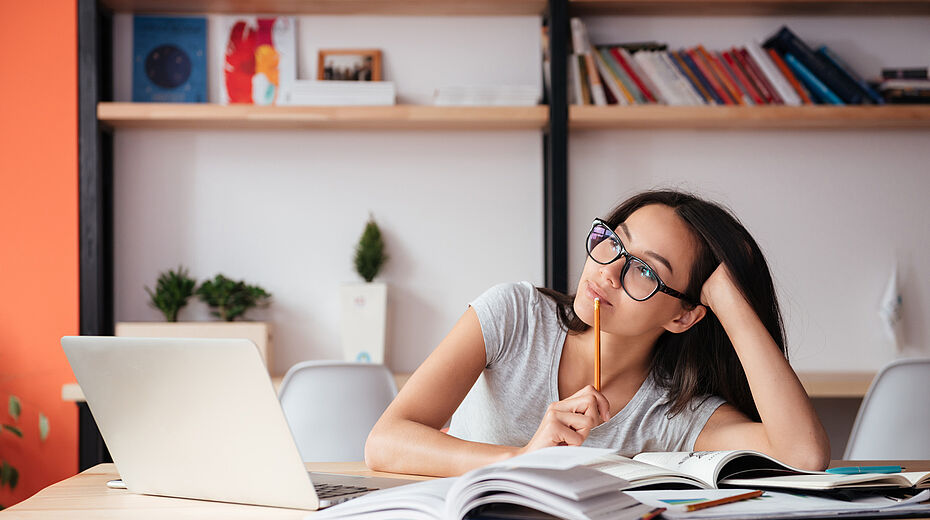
x=597, y=344
x=721, y=501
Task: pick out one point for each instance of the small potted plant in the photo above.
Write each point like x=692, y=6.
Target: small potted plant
x=228, y=300
x=9, y=475
x=364, y=304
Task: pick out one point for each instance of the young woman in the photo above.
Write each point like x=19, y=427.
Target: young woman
x=692, y=356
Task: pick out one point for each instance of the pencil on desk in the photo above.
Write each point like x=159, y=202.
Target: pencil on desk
x=597, y=344
x=652, y=514
x=721, y=501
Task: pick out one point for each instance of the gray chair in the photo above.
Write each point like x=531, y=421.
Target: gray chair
x=331, y=407
x=894, y=419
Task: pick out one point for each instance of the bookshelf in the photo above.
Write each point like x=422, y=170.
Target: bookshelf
x=754, y=117
x=751, y=7
x=396, y=117
x=347, y=7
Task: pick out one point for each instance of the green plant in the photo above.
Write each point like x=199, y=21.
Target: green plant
x=172, y=291
x=369, y=253
x=9, y=475
x=229, y=299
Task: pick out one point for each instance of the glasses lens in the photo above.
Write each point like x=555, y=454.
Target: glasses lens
x=601, y=245
x=639, y=280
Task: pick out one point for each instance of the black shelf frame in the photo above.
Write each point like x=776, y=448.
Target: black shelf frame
x=95, y=152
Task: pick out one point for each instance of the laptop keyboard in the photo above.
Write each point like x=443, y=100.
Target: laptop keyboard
x=335, y=490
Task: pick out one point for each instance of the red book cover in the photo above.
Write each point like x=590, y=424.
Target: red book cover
x=722, y=74
x=704, y=67
x=752, y=66
x=795, y=84
x=629, y=70
x=742, y=79
x=738, y=55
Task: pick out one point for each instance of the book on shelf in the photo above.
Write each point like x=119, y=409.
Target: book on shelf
x=552, y=481
x=169, y=62
x=337, y=93
x=904, y=73
x=260, y=60
x=846, y=70
x=753, y=74
x=906, y=91
x=786, y=42
x=813, y=83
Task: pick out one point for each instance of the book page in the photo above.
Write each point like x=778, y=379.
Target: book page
x=700, y=464
x=640, y=474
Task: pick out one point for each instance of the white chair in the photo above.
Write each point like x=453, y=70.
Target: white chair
x=894, y=419
x=331, y=407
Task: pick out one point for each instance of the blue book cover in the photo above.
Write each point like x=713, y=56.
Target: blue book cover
x=169, y=59
x=811, y=81
x=785, y=41
x=851, y=74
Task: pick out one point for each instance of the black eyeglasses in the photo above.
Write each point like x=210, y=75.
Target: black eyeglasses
x=638, y=280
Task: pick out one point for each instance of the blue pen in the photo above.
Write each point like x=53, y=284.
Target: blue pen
x=855, y=470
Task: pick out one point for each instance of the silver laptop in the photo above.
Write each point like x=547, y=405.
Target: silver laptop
x=199, y=418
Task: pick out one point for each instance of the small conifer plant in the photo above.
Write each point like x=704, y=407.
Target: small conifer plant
x=369, y=254
x=229, y=299
x=172, y=291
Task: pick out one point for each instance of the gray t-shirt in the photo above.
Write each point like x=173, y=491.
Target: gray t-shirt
x=524, y=342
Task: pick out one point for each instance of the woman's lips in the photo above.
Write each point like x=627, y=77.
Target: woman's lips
x=592, y=292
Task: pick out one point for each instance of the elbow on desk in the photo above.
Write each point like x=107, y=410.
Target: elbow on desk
x=374, y=451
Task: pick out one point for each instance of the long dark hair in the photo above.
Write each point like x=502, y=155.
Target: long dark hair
x=701, y=361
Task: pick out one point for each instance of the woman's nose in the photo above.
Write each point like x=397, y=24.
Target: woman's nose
x=611, y=272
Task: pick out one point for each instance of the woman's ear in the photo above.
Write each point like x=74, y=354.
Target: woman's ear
x=687, y=319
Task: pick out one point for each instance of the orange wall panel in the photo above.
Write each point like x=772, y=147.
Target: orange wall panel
x=38, y=236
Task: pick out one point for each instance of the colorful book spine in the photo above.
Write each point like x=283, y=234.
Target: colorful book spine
x=775, y=78
x=704, y=67
x=620, y=54
x=787, y=42
x=769, y=91
x=722, y=75
x=686, y=58
x=621, y=75
x=792, y=79
x=692, y=79
x=682, y=82
x=583, y=77
x=869, y=92
x=613, y=84
x=812, y=81
x=741, y=76
x=656, y=78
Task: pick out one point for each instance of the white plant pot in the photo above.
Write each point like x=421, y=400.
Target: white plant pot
x=364, y=316
x=259, y=332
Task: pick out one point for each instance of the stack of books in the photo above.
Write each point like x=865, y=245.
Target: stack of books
x=905, y=85
x=783, y=70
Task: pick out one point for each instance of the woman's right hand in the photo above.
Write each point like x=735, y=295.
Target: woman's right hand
x=569, y=422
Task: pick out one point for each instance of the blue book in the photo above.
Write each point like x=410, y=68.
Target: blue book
x=811, y=81
x=679, y=64
x=169, y=59
x=785, y=42
x=851, y=74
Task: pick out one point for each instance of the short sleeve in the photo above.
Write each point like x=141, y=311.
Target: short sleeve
x=683, y=429
x=502, y=313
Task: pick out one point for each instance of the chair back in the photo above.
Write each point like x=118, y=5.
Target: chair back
x=894, y=417
x=331, y=407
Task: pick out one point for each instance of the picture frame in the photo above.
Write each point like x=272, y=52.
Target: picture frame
x=349, y=64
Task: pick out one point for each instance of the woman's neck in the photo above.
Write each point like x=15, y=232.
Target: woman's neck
x=622, y=358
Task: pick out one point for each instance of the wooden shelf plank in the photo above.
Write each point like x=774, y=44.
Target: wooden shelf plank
x=751, y=7
x=836, y=384
x=396, y=117
x=350, y=7
x=761, y=117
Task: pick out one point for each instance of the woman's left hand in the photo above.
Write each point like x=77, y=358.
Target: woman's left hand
x=719, y=288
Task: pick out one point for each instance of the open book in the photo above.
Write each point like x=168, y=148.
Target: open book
x=739, y=468
x=552, y=482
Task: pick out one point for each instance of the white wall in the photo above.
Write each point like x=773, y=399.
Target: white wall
x=284, y=209
x=832, y=210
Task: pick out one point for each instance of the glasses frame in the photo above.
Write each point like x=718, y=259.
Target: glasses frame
x=660, y=287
